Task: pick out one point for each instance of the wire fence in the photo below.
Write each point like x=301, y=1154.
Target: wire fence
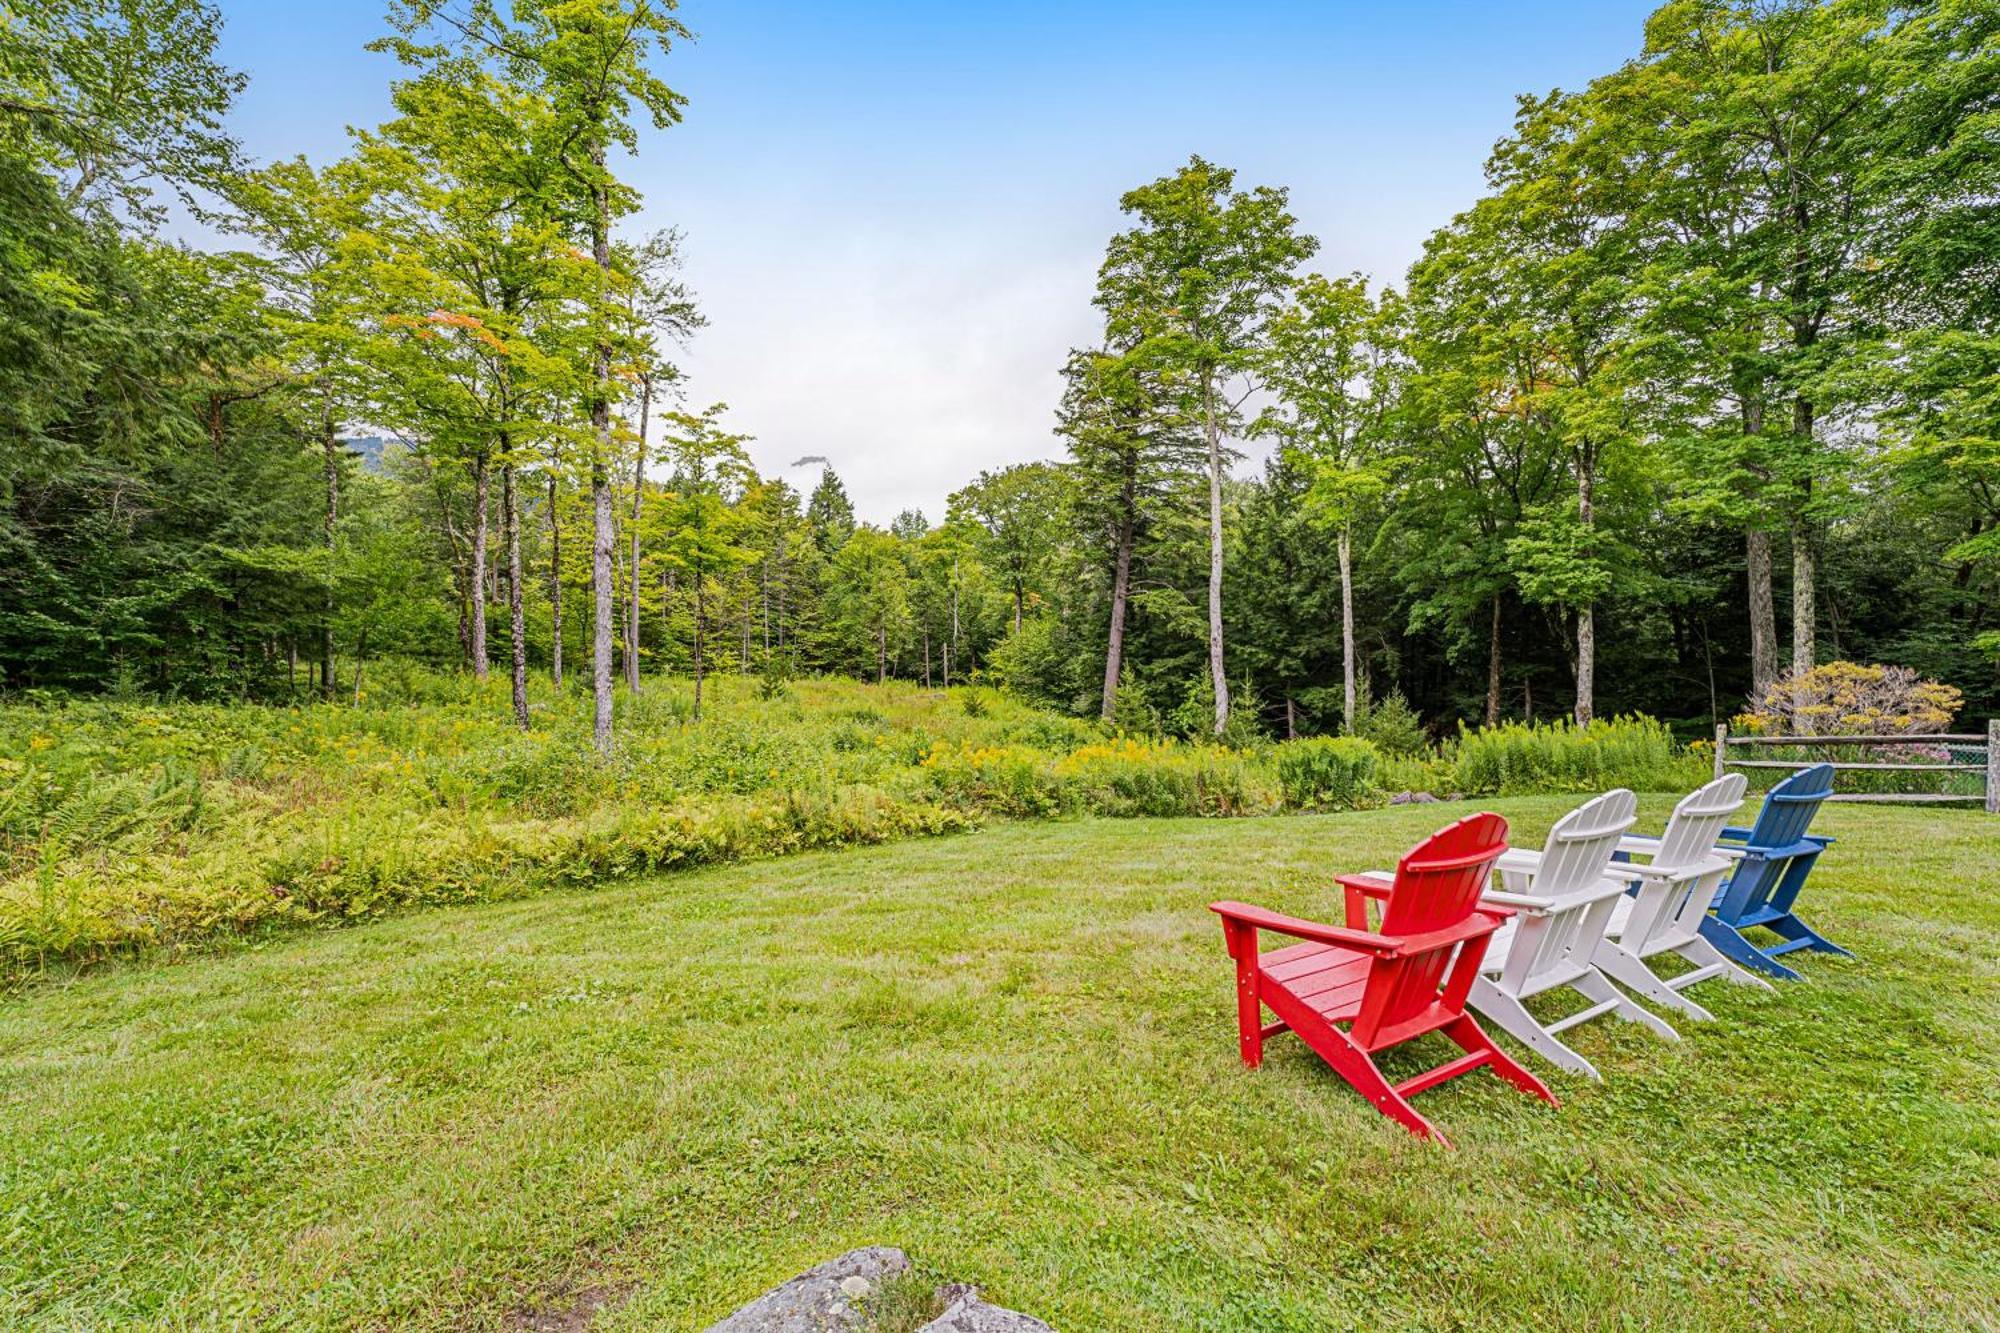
x=1962, y=767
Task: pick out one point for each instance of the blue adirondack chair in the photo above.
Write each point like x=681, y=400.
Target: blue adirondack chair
x=1773, y=858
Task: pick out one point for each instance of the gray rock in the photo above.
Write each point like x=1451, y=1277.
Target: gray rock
x=966, y=1313
x=1413, y=798
x=825, y=1299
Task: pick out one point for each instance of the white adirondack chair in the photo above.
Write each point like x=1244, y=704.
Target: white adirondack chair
x=1564, y=901
x=1676, y=884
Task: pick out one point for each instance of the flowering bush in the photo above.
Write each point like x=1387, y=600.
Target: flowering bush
x=1849, y=699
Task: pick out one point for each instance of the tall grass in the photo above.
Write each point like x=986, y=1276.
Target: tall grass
x=125, y=824
x=1517, y=758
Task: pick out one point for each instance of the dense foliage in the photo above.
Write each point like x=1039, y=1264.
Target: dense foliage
x=1701, y=391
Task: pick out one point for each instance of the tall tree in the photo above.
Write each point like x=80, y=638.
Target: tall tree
x=1131, y=453
x=1194, y=286
x=1786, y=105
x=1326, y=369
x=829, y=513
x=704, y=527
x=590, y=58
x=871, y=592
x=1011, y=508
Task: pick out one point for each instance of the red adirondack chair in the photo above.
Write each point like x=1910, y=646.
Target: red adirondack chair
x=1408, y=977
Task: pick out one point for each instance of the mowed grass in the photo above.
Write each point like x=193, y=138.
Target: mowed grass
x=1011, y=1053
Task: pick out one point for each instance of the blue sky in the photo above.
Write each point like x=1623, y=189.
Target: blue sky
x=894, y=211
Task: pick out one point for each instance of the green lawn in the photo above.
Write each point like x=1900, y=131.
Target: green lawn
x=1011, y=1053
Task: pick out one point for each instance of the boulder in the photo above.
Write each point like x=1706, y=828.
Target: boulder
x=826, y=1299
x=1413, y=798
x=964, y=1312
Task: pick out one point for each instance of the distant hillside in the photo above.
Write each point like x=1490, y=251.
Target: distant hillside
x=369, y=449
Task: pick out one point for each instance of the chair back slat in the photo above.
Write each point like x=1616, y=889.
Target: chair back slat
x=1790, y=806
x=1438, y=883
x=1582, y=841
x=1698, y=820
x=1574, y=860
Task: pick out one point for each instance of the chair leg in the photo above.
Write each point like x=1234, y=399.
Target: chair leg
x=1471, y=1037
x=1703, y=954
x=1794, y=929
x=1353, y=1064
x=1512, y=1017
x=1630, y=971
x=1595, y=987
x=1249, y=1010
x=1742, y=952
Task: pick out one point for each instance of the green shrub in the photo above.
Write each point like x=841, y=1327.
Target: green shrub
x=1326, y=772
x=1392, y=726
x=1515, y=758
x=1132, y=710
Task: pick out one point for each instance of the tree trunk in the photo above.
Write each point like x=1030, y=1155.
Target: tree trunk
x=927, y=654
x=517, y=633
x=1215, y=664
x=330, y=452
x=555, y=588
x=882, y=653
x=603, y=534
x=1763, y=613
x=700, y=608
x=638, y=493
x=1586, y=617
x=1493, y=668
x=1347, y=695
x=1121, y=591
x=1805, y=612
x=479, y=571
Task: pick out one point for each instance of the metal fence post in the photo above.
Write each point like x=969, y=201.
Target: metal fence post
x=1993, y=765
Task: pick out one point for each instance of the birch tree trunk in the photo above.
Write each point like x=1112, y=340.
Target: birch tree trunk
x=1347, y=694
x=1215, y=664
x=1757, y=572
x=1121, y=591
x=638, y=493
x=330, y=453
x=480, y=489
x=510, y=519
x=555, y=588
x=603, y=535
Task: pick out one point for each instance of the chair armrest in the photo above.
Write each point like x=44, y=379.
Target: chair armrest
x=1519, y=861
x=1257, y=918
x=1527, y=902
x=1373, y=883
x=1735, y=833
x=1631, y=870
x=1637, y=846
x=1358, y=889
